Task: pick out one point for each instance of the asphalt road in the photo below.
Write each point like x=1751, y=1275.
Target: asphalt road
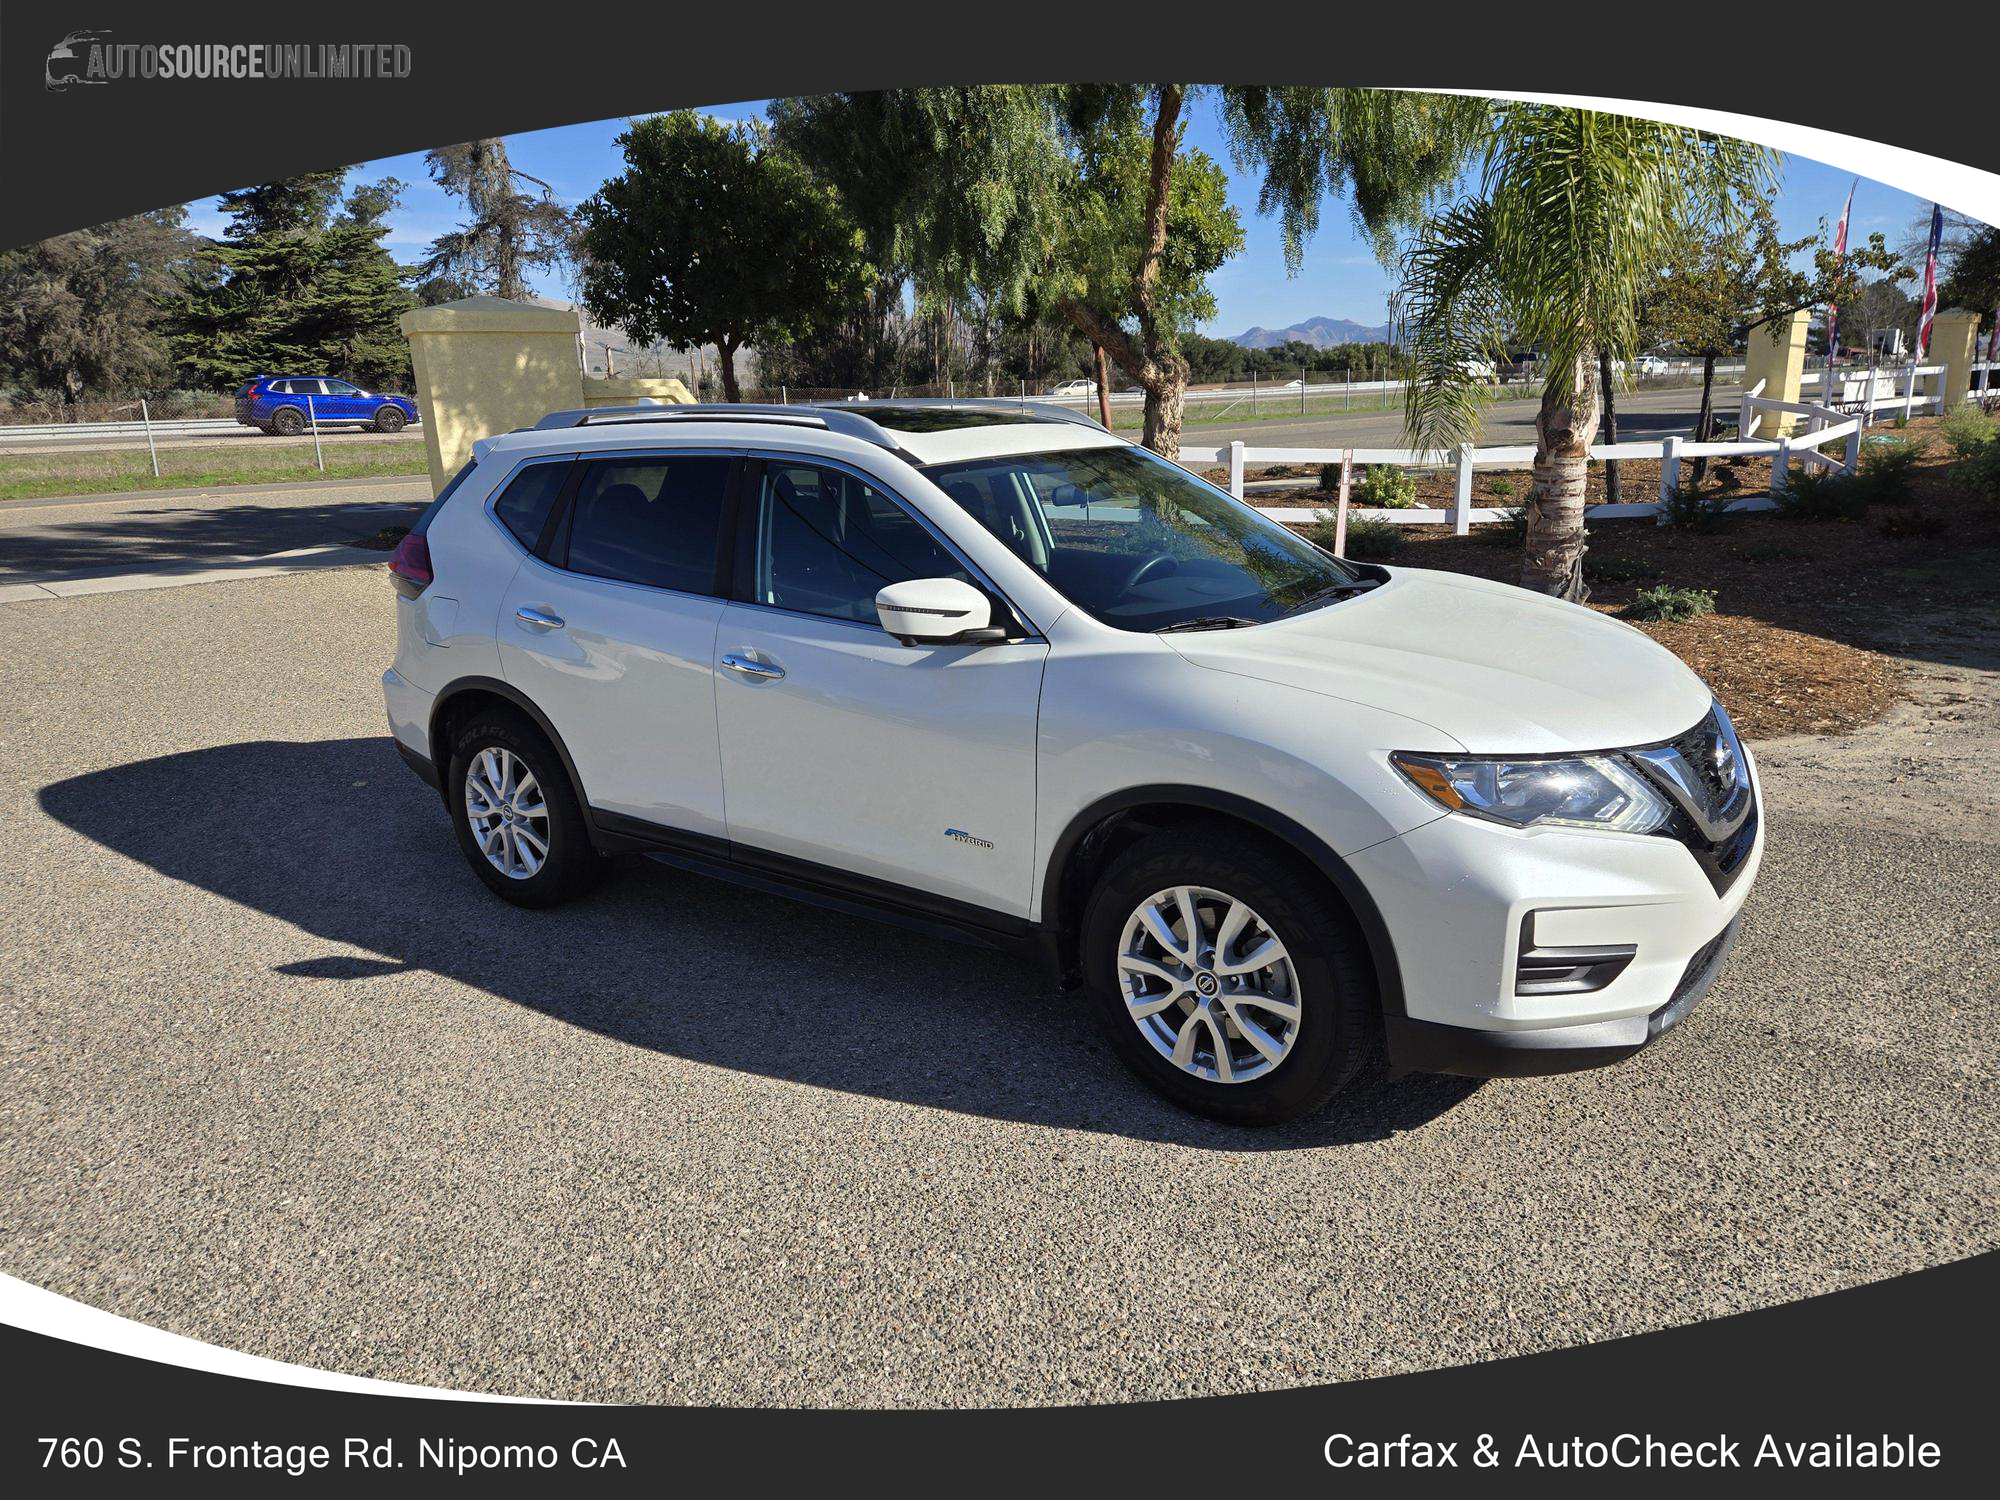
x=237, y=526
x=280, y=1073
x=1642, y=416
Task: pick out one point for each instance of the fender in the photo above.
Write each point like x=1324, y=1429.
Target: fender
x=1367, y=915
x=458, y=687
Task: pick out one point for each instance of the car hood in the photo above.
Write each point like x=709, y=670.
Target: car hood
x=1499, y=669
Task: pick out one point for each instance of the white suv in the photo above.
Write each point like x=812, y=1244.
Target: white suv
x=1004, y=676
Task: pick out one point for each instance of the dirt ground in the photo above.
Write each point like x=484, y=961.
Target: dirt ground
x=1814, y=622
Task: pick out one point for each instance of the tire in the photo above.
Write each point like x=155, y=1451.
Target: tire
x=568, y=865
x=288, y=421
x=391, y=419
x=1325, y=974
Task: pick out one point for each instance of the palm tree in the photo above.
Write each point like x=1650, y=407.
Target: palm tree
x=1573, y=211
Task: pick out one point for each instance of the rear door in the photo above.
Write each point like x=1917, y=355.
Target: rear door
x=609, y=626
x=308, y=396
x=844, y=748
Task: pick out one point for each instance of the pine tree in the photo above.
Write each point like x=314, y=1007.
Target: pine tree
x=294, y=285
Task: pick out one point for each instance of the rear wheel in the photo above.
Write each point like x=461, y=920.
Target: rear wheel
x=517, y=819
x=1227, y=975
x=288, y=420
x=390, y=419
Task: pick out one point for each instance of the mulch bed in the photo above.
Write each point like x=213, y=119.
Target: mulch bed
x=1808, y=614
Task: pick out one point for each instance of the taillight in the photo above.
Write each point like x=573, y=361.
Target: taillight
x=410, y=566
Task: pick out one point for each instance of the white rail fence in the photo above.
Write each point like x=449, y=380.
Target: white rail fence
x=1823, y=425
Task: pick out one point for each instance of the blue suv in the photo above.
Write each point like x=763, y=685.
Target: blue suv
x=278, y=403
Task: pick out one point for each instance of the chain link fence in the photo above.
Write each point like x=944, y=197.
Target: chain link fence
x=176, y=439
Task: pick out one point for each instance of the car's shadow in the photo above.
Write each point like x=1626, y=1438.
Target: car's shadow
x=338, y=839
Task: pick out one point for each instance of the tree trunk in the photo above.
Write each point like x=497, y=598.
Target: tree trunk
x=1103, y=385
x=1563, y=434
x=1166, y=399
x=1704, y=424
x=1606, y=384
x=725, y=364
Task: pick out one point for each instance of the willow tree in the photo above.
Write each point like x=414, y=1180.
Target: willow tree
x=1085, y=202
x=1574, y=211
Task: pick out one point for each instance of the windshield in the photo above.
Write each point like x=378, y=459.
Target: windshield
x=1139, y=542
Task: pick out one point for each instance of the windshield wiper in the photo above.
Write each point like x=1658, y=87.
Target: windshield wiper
x=1332, y=592
x=1209, y=622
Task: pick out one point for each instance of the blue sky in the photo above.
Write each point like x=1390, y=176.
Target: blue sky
x=1340, y=278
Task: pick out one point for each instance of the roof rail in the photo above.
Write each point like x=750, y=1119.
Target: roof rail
x=846, y=421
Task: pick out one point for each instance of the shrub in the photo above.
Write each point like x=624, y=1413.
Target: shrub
x=1329, y=478
x=1908, y=525
x=1386, y=486
x=1511, y=530
x=1613, y=567
x=1974, y=439
x=1967, y=431
x=1500, y=487
x=1690, y=510
x=1886, y=472
x=1373, y=541
x=1981, y=472
x=1821, y=495
x=1668, y=604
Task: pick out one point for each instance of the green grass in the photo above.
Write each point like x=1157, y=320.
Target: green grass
x=1272, y=406
x=35, y=476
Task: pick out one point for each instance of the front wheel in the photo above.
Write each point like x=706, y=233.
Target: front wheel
x=1228, y=975
x=517, y=819
x=390, y=419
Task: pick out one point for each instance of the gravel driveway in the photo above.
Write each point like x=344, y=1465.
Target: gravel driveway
x=280, y=1074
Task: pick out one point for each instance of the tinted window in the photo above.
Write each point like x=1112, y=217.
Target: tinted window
x=342, y=388
x=1140, y=542
x=529, y=497
x=655, y=521
x=826, y=542
x=303, y=387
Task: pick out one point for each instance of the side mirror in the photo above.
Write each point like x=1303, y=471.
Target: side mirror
x=936, y=612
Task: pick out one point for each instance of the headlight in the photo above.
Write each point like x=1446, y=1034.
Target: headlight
x=1589, y=791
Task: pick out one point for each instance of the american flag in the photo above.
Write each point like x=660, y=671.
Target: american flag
x=1840, y=254
x=1929, y=307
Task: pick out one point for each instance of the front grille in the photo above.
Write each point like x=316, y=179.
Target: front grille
x=1689, y=769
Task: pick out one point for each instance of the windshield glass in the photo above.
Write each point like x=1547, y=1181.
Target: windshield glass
x=1137, y=541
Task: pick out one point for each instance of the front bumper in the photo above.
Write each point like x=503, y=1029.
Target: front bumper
x=1428, y=1047
x=1461, y=898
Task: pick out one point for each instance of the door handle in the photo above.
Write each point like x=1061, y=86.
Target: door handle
x=529, y=615
x=761, y=670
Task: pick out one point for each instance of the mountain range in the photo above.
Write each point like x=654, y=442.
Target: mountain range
x=1321, y=333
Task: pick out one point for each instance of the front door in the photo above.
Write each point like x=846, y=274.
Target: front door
x=841, y=746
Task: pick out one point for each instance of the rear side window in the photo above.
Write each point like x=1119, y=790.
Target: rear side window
x=524, y=506
x=655, y=521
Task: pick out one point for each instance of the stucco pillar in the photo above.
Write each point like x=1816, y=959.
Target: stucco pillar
x=1954, y=336
x=485, y=365
x=1777, y=356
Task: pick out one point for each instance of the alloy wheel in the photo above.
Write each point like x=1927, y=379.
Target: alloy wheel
x=1209, y=984
x=508, y=814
